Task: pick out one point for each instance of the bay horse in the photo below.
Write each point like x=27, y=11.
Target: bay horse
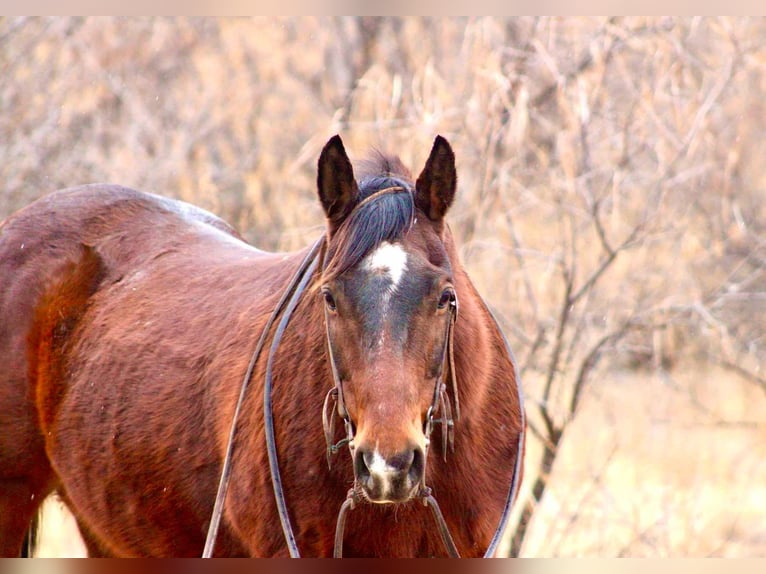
x=128, y=321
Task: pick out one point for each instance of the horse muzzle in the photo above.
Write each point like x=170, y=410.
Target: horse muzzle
x=389, y=479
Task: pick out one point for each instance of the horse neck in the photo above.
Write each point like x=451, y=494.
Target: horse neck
x=484, y=370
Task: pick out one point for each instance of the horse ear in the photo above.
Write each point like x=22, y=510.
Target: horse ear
x=335, y=182
x=436, y=184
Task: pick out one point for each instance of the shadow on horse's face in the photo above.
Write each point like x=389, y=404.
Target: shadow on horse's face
x=388, y=314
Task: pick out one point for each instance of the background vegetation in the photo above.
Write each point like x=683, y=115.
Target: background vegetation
x=611, y=210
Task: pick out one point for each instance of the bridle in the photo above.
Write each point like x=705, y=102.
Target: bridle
x=334, y=399
x=334, y=403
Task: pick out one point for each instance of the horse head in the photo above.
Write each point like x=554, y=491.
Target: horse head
x=390, y=302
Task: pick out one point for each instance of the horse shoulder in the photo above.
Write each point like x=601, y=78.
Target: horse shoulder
x=55, y=317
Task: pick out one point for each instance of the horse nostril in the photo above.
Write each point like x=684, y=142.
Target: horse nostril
x=417, y=465
x=402, y=462
x=361, y=465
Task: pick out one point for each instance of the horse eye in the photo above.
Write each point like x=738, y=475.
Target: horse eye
x=447, y=296
x=329, y=300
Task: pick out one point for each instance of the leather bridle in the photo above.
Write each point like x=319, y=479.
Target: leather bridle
x=334, y=402
x=334, y=399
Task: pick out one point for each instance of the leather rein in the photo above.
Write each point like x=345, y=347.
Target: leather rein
x=334, y=404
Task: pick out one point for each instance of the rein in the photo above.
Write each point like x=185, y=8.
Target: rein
x=441, y=403
x=293, y=292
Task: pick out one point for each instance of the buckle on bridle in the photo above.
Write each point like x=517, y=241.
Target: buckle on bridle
x=329, y=410
x=446, y=420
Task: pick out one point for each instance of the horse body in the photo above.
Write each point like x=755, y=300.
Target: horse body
x=128, y=324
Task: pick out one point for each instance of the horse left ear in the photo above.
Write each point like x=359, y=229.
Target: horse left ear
x=436, y=184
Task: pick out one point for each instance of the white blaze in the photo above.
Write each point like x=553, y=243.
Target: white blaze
x=389, y=258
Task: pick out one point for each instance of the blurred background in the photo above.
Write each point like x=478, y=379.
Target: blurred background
x=611, y=209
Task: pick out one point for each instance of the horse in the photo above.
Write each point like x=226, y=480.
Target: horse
x=129, y=321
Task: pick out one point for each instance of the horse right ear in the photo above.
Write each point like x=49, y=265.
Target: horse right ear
x=337, y=187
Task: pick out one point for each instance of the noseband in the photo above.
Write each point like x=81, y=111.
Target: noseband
x=334, y=403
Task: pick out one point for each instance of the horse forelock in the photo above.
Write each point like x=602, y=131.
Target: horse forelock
x=386, y=218
x=379, y=164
